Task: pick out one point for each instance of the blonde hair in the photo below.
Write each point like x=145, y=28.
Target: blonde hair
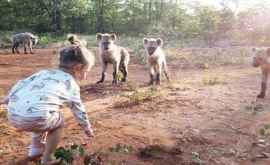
x=75, y=54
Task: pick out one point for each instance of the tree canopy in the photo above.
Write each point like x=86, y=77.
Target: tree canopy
x=164, y=17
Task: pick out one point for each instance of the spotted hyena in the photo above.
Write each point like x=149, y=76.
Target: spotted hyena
x=26, y=39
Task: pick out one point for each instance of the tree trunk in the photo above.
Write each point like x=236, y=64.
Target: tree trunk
x=56, y=16
x=99, y=16
x=150, y=11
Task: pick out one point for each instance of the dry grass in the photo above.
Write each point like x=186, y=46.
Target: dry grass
x=210, y=79
x=136, y=97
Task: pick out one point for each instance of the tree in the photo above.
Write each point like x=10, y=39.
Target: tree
x=56, y=16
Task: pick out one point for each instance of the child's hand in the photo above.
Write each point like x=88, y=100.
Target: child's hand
x=89, y=133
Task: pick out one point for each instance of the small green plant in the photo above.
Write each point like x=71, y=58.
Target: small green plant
x=122, y=148
x=136, y=97
x=264, y=131
x=119, y=76
x=67, y=155
x=195, y=156
x=212, y=80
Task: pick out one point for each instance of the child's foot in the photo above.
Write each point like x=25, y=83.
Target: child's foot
x=51, y=162
x=34, y=157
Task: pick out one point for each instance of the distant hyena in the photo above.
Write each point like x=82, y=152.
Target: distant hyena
x=74, y=40
x=26, y=39
x=111, y=53
x=156, y=59
x=262, y=59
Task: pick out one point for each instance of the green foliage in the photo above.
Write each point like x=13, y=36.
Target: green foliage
x=66, y=156
x=5, y=39
x=137, y=96
x=166, y=19
x=47, y=38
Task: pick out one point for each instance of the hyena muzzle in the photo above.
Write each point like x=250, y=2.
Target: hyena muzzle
x=156, y=59
x=261, y=59
x=26, y=39
x=110, y=53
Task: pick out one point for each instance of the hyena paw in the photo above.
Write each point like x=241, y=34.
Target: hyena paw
x=124, y=80
x=98, y=82
x=114, y=82
x=261, y=96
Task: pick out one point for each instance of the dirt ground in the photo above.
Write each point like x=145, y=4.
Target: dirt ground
x=192, y=120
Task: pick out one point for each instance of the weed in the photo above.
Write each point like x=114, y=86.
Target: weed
x=67, y=156
x=136, y=97
x=195, y=156
x=122, y=148
x=93, y=159
x=119, y=76
x=211, y=80
x=264, y=131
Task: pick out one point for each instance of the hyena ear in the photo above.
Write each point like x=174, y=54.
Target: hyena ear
x=268, y=52
x=113, y=36
x=159, y=42
x=98, y=36
x=145, y=41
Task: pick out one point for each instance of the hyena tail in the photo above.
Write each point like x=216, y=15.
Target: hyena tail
x=166, y=70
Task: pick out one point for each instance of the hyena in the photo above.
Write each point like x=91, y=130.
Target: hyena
x=156, y=59
x=74, y=40
x=26, y=39
x=111, y=53
x=262, y=59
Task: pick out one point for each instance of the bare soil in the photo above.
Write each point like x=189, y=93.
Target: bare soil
x=191, y=121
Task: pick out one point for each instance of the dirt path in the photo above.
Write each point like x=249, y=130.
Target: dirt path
x=203, y=116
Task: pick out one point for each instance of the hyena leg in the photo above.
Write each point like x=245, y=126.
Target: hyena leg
x=263, y=84
x=152, y=74
x=103, y=74
x=115, y=72
x=166, y=70
x=158, y=69
x=30, y=45
x=25, y=50
x=124, y=70
x=14, y=47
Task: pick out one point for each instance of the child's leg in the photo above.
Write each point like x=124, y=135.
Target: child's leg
x=53, y=138
x=37, y=146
